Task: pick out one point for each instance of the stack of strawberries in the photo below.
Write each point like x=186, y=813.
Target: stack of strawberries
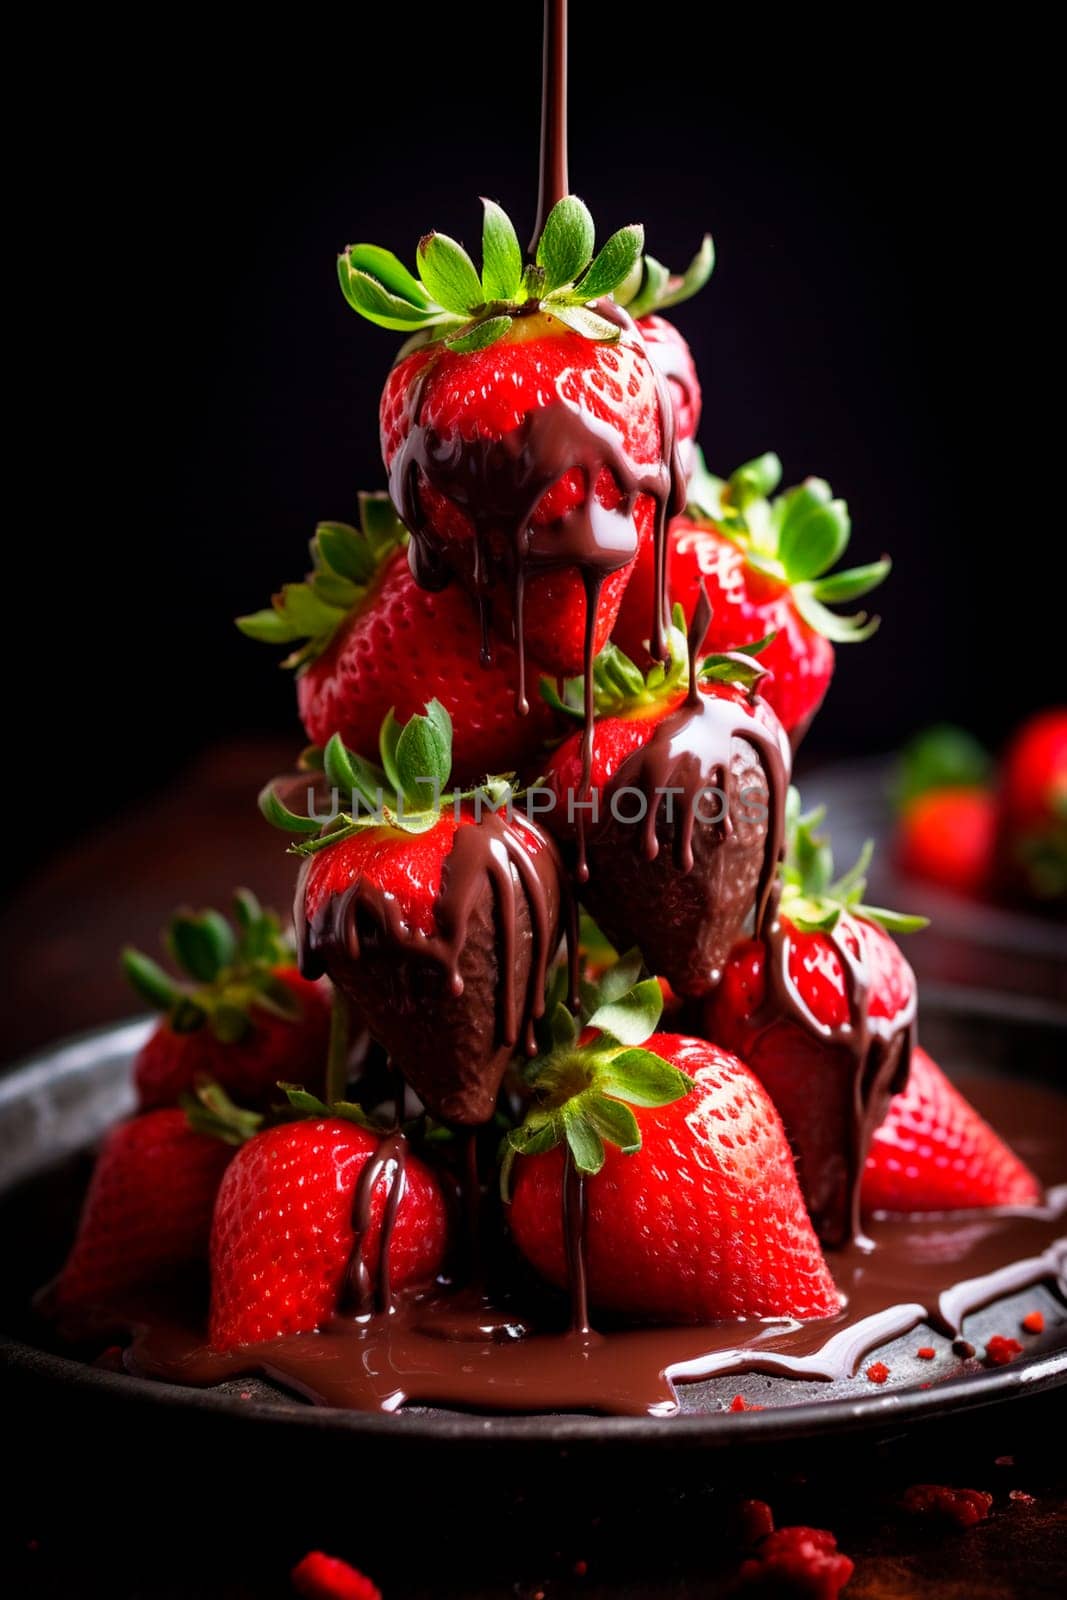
x=558, y=667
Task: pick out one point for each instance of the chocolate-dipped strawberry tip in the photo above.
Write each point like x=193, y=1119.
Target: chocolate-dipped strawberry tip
x=435, y=914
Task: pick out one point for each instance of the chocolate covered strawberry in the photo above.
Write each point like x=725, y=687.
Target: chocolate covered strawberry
x=301, y=1222
x=370, y=640
x=147, y=1213
x=765, y=565
x=1033, y=810
x=934, y=1152
x=434, y=913
x=822, y=1008
x=243, y=1016
x=680, y=824
x=528, y=435
x=673, y=1154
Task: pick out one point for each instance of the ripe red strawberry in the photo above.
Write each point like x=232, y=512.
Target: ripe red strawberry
x=321, y=1577
x=147, y=1212
x=946, y=827
x=934, y=1152
x=436, y=918
x=528, y=434
x=948, y=836
x=692, y=1208
x=667, y=872
x=245, y=1020
x=673, y=359
x=283, y=1236
x=764, y=565
x=1033, y=809
x=370, y=641
x=822, y=1009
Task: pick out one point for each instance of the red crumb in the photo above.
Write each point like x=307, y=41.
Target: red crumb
x=246, y=1394
x=739, y=1403
x=580, y=1569
x=1004, y=1461
x=1034, y=1322
x=755, y=1520
x=964, y=1507
x=1020, y=1497
x=999, y=1351
x=801, y=1562
x=323, y=1577
x=878, y=1372
x=926, y=1352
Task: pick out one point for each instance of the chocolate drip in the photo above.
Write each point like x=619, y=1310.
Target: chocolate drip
x=879, y=1052
x=554, y=182
x=450, y=1007
x=362, y=1293
x=574, y=1233
x=451, y=1351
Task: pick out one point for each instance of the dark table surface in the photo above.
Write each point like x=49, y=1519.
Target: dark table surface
x=94, y=1510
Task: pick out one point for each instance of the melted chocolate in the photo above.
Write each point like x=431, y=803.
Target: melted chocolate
x=871, y=1057
x=452, y=1007
x=554, y=182
x=453, y=1350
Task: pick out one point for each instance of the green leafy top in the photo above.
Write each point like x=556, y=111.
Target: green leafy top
x=795, y=537
x=231, y=969
x=450, y=300
x=653, y=287
x=344, y=561
x=210, y=1110
x=812, y=898
x=621, y=689
x=941, y=757
x=582, y=1093
x=404, y=792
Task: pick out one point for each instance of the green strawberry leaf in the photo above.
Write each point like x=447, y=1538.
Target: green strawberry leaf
x=839, y=630
x=367, y=296
x=424, y=757
x=633, y=1017
x=642, y=1078
x=853, y=584
x=611, y=264
x=755, y=480
x=693, y=278
x=202, y=944
x=211, y=1111
x=612, y=1121
x=590, y=324
x=448, y=273
x=479, y=336
x=150, y=980
x=583, y=1141
x=390, y=273
x=894, y=921
x=351, y=775
x=566, y=244
x=501, y=255
x=811, y=540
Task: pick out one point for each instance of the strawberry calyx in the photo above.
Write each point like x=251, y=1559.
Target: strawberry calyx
x=652, y=287
x=812, y=898
x=209, y=1110
x=582, y=1090
x=794, y=537
x=405, y=792
x=449, y=299
x=621, y=689
x=940, y=757
x=232, y=968
x=344, y=563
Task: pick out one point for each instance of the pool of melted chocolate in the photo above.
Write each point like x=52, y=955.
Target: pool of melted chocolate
x=452, y=1348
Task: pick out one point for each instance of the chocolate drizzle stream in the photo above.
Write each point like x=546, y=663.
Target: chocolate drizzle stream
x=554, y=182
x=362, y=1294
x=451, y=1351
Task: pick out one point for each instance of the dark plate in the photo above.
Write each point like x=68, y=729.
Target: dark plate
x=53, y=1107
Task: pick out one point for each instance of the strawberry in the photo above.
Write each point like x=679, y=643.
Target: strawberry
x=370, y=640
x=934, y=1152
x=691, y=1205
x=528, y=435
x=795, y=1564
x=948, y=836
x=687, y=797
x=1033, y=810
x=946, y=825
x=245, y=1020
x=318, y=1576
x=764, y=565
x=147, y=1212
x=304, y=1179
x=436, y=918
x=673, y=359
x=822, y=1008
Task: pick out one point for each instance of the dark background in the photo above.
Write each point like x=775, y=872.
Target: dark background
x=884, y=289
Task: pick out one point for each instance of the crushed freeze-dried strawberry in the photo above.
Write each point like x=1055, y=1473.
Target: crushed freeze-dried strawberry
x=1020, y=1497
x=999, y=1351
x=877, y=1372
x=801, y=1562
x=1034, y=1322
x=739, y=1403
x=926, y=1352
x=755, y=1520
x=964, y=1507
x=322, y=1577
